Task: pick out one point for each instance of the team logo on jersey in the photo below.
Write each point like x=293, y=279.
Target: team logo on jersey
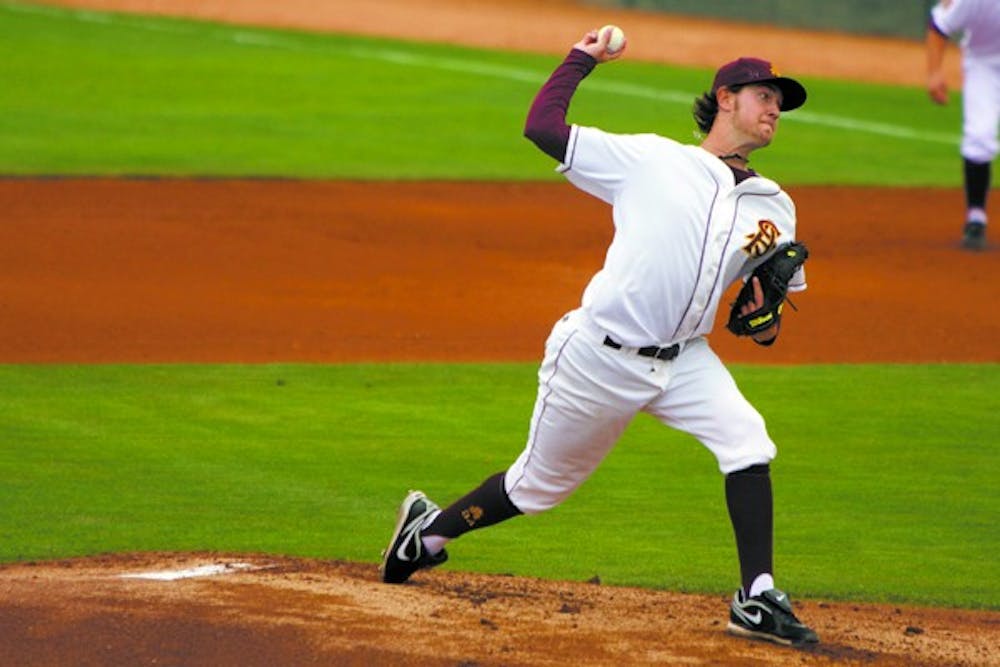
x=765, y=238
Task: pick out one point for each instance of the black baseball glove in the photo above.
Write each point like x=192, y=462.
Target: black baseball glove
x=773, y=274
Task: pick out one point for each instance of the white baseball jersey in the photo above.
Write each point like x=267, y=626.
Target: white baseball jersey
x=978, y=24
x=684, y=231
x=977, y=21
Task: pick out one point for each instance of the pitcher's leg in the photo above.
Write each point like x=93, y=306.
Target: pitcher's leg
x=486, y=505
x=566, y=442
x=702, y=399
x=751, y=511
x=584, y=402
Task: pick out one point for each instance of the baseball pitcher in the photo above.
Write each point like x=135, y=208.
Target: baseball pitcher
x=688, y=222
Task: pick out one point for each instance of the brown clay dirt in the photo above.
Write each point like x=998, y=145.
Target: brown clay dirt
x=113, y=270
x=307, y=612
x=106, y=270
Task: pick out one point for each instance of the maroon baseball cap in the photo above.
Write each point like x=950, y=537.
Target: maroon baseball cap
x=754, y=70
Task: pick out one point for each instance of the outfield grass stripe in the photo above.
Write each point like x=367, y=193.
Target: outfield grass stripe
x=260, y=39
x=634, y=90
x=464, y=66
x=884, y=129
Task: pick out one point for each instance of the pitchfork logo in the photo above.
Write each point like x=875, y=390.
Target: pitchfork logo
x=762, y=240
x=472, y=514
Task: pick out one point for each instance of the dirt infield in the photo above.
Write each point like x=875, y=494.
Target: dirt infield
x=151, y=270
x=300, y=612
x=105, y=270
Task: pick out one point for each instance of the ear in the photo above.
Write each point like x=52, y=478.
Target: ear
x=725, y=98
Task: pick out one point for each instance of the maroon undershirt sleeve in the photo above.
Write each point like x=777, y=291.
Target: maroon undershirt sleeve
x=546, y=124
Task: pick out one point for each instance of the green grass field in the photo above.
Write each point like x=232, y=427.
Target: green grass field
x=885, y=482
x=89, y=93
x=877, y=499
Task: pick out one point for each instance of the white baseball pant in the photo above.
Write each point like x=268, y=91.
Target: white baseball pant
x=980, y=109
x=589, y=392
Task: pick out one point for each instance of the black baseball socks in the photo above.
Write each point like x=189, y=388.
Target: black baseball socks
x=977, y=186
x=751, y=510
x=486, y=505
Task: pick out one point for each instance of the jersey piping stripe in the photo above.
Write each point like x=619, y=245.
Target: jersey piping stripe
x=704, y=250
x=732, y=228
x=537, y=419
x=570, y=151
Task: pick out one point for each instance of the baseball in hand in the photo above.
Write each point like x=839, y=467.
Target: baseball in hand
x=617, y=39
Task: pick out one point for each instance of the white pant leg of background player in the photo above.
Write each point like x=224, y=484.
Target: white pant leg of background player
x=977, y=22
x=981, y=109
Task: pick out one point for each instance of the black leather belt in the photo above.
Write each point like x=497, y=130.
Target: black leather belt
x=664, y=353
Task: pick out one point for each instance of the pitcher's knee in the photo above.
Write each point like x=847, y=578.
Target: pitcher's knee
x=534, y=496
x=745, y=443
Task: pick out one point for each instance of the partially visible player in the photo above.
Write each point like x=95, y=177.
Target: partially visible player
x=978, y=23
x=689, y=221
